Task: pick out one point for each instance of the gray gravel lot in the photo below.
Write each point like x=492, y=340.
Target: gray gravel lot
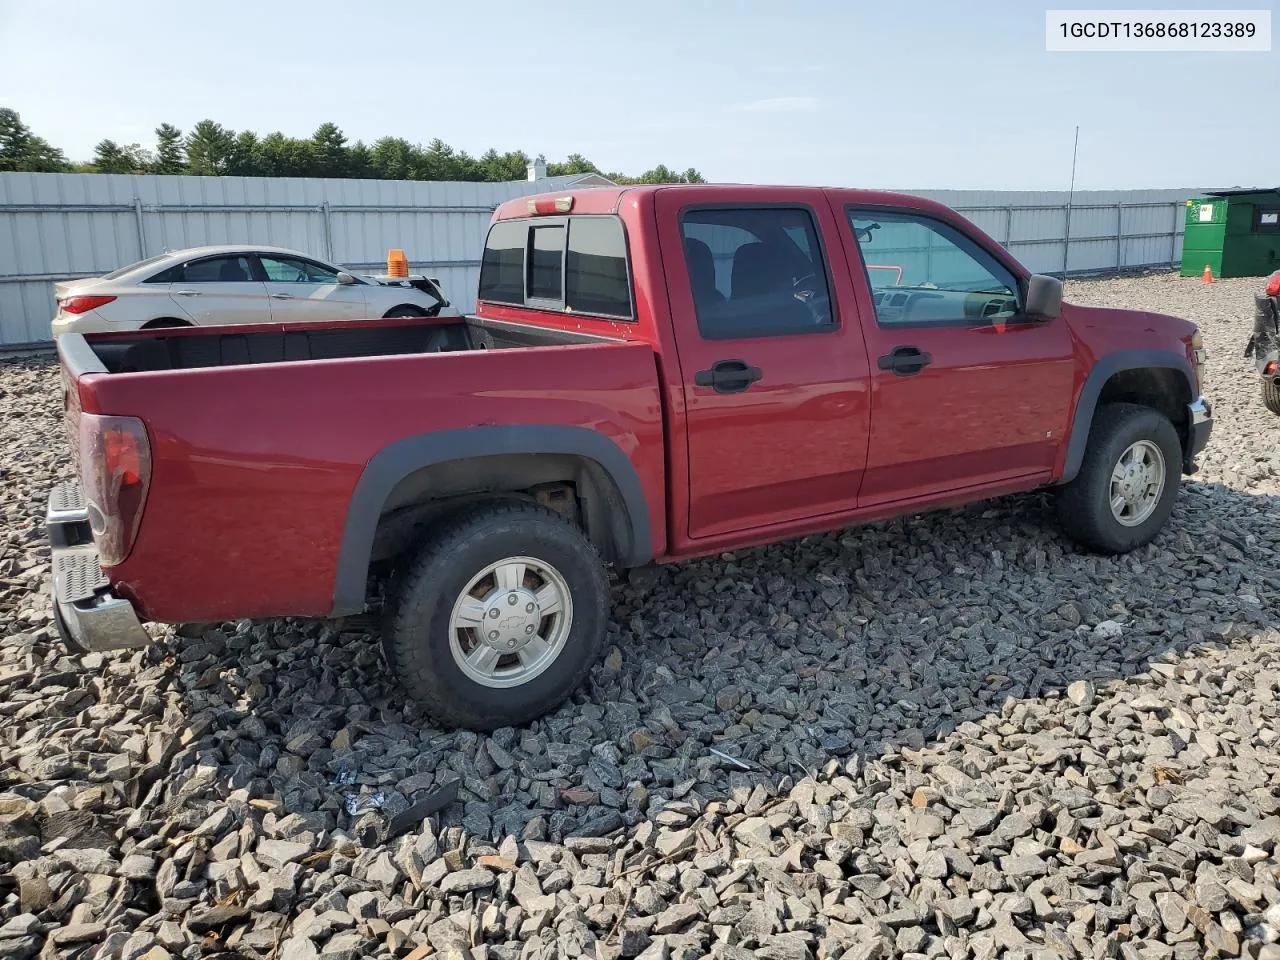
x=966, y=738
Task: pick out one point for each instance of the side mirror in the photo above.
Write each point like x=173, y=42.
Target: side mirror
x=1044, y=297
x=346, y=279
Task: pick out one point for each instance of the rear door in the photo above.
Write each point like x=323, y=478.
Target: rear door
x=966, y=390
x=771, y=356
x=217, y=290
x=301, y=289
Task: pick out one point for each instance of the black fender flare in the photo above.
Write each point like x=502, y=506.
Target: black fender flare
x=395, y=462
x=1103, y=370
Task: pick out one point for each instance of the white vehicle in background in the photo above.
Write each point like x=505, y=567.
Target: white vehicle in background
x=216, y=286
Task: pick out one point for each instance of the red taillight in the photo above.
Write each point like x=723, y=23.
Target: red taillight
x=1273, y=285
x=83, y=303
x=115, y=473
x=542, y=206
x=122, y=456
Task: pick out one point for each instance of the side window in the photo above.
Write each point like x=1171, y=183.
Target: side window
x=923, y=271
x=595, y=273
x=168, y=275
x=756, y=272
x=214, y=270
x=546, y=263
x=502, y=269
x=117, y=274
x=292, y=270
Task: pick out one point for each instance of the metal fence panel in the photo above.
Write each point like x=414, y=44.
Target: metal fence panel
x=61, y=226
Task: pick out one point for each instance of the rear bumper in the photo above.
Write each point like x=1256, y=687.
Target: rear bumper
x=88, y=322
x=1199, y=427
x=89, y=616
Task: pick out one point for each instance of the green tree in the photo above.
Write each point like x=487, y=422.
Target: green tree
x=659, y=174
x=574, y=163
x=497, y=167
x=273, y=156
x=171, y=157
x=244, y=159
x=20, y=149
x=394, y=158
x=111, y=157
x=329, y=151
x=441, y=162
x=209, y=149
x=359, y=161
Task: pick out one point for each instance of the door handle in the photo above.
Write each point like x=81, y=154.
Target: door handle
x=187, y=293
x=905, y=361
x=282, y=296
x=728, y=376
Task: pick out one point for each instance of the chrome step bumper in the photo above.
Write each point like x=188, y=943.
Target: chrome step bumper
x=1199, y=427
x=89, y=616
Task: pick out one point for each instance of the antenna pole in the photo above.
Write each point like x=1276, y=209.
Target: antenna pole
x=1066, y=241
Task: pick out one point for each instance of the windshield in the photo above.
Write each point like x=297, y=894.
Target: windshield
x=114, y=274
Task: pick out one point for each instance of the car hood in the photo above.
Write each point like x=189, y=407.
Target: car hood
x=1134, y=321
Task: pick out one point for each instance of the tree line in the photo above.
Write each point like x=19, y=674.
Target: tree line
x=212, y=150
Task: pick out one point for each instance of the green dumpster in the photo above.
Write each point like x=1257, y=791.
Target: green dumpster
x=1236, y=233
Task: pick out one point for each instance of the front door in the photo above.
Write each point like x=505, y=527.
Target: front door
x=305, y=290
x=774, y=374
x=966, y=390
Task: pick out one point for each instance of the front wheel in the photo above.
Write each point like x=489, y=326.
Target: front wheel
x=1127, y=483
x=498, y=618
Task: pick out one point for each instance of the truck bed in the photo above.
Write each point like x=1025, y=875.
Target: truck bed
x=193, y=348
x=259, y=437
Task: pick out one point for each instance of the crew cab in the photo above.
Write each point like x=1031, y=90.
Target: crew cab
x=651, y=374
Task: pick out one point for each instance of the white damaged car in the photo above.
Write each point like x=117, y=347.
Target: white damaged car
x=237, y=284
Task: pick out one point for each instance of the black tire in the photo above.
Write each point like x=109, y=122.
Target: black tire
x=1084, y=504
x=404, y=310
x=417, y=632
x=165, y=323
x=1271, y=396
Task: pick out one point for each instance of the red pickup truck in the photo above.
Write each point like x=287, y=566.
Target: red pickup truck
x=652, y=374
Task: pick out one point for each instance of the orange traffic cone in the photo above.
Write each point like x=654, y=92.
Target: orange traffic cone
x=1208, y=275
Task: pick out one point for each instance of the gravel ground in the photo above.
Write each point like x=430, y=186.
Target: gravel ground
x=965, y=738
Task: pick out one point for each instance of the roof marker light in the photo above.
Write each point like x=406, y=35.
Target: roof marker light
x=542, y=206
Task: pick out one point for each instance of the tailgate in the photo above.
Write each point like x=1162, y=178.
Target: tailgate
x=80, y=368
x=75, y=360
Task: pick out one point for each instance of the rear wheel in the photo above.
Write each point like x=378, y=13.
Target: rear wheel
x=1127, y=483
x=404, y=310
x=499, y=616
x=165, y=323
x=1271, y=396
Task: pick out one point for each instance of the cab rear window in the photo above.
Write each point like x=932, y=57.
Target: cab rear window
x=571, y=264
x=502, y=269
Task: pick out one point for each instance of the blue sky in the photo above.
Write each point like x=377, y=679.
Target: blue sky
x=925, y=95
